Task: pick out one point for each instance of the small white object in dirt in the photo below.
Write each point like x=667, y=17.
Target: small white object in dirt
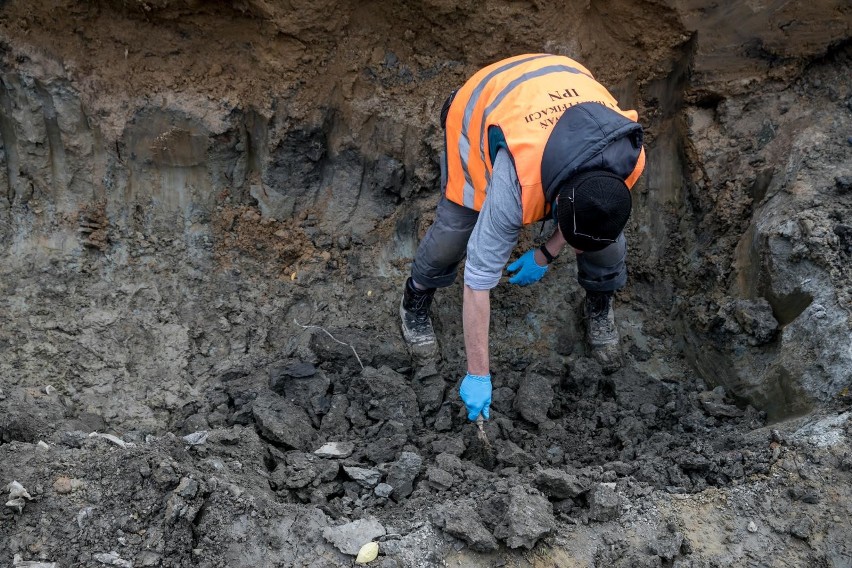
x=112, y=558
x=84, y=514
x=752, y=527
x=17, y=503
x=196, y=438
x=17, y=490
x=368, y=553
x=114, y=439
x=18, y=562
x=18, y=496
x=364, y=477
x=49, y=390
x=336, y=450
x=43, y=445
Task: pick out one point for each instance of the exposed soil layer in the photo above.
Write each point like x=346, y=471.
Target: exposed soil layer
x=207, y=212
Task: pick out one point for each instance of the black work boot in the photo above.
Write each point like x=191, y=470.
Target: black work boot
x=416, y=325
x=601, y=331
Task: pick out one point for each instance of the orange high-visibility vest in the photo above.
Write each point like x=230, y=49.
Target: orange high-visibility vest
x=524, y=96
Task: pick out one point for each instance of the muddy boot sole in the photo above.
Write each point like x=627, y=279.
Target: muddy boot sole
x=602, y=338
x=420, y=345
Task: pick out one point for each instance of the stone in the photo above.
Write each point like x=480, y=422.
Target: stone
x=148, y=558
x=439, y=479
x=756, y=319
x=62, y=485
x=385, y=395
x=534, y=398
x=805, y=494
x=383, y=490
x=444, y=418
x=559, y=484
x=430, y=393
x=387, y=442
x=196, y=438
x=802, y=527
x=604, y=503
x=454, y=445
x=502, y=399
x=300, y=469
x=461, y=521
x=350, y=537
x=449, y=462
x=510, y=453
x=492, y=508
x=667, y=546
x=302, y=384
x=335, y=450
x=363, y=476
x=282, y=422
x=334, y=422
x=187, y=488
x=528, y=518
x=714, y=405
x=112, y=558
x=402, y=473
x=18, y=562
x=292, y=370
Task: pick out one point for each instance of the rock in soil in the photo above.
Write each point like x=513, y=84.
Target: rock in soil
x=528, y=518
x=461, y=521
x=350, y=537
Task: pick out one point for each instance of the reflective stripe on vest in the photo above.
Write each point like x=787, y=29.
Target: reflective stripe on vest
x=524, y=96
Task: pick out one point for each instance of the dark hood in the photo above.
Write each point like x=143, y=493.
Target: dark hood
x=589, y=136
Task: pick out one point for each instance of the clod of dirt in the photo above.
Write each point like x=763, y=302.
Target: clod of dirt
x=529, y=517
x=402, y=473
x=534, y=398
x=462, y=521
x=604, y=502
x=283, y=422
x=561, y=484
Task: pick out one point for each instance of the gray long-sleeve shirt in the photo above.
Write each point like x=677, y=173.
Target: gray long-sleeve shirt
x=496, y=232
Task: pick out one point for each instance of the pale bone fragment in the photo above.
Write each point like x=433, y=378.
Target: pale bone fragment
x=18, y=562
x=17, y=490
x=17, y=503
x=114, y=439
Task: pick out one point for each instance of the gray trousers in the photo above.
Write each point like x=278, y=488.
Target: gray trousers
x=445, y=243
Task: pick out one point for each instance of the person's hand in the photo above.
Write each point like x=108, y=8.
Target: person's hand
x=527, y=269
x=475, y=391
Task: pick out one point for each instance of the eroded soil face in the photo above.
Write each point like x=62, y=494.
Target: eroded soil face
x=208, y=212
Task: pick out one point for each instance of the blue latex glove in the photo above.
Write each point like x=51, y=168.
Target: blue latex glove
x=528, y=270
x=475, y=391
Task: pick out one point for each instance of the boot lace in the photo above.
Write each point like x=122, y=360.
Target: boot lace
x=420, y=306
x=598, y=305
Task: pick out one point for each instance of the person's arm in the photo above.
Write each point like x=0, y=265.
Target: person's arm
x=554, y=245
x=476, y=319
x=490, y=245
